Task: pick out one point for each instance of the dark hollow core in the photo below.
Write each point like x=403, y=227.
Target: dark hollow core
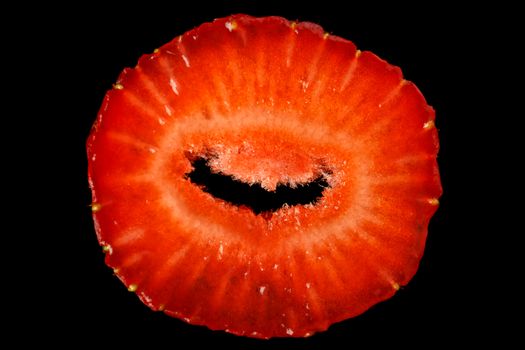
x=254, y=196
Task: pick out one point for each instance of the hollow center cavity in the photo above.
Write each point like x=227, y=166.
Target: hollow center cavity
x=254, y=196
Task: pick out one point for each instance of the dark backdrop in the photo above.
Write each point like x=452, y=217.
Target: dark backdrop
x=433, y=44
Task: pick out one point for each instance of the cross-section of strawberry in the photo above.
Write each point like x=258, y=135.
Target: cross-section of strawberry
x=269, y=105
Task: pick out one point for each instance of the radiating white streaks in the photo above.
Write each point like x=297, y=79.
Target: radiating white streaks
x=291, y=46
x=393, y=94
x=262, y=289
x=350, y=72
x=127, y=139
x=221, y=251
x=174, y=86
x=129, y=236
x=186, y=61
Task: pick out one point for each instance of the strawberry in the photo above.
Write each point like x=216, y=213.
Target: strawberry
x=262, y=177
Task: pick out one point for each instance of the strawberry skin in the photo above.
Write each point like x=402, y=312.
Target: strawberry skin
x=268, y=102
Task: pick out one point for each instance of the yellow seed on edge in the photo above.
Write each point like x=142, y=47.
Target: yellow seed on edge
x=95, y=207
x=132, y=288
x=433, y=201
x=118, y=86
x=429, y=125
x=231, y=25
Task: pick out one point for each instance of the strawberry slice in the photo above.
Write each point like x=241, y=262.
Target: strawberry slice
x=277, y=108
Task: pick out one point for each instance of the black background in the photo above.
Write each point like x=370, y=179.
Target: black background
x=434, y=45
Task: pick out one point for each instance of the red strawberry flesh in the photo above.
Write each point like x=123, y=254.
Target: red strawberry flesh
x=267, y=102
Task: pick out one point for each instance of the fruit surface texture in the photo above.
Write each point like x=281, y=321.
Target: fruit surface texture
x=270, y=106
